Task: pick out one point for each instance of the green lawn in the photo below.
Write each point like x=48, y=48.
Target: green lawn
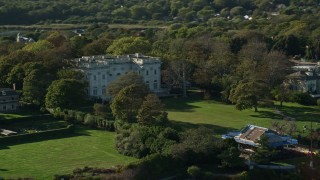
x=193, y=111
x=43, y=159
x=19, y=114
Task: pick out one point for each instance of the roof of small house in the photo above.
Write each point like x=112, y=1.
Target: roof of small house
x=251, y=134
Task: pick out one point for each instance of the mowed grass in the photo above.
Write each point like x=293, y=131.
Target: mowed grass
x=194, y=111
x=41, y=160
x=20, y=114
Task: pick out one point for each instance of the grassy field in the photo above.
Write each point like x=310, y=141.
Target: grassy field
x=43, y=159
x=194, y=111
x=21, y=113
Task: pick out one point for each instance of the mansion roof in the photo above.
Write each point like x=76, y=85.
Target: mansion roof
x=105, y=60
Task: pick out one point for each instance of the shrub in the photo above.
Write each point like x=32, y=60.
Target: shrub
x=79, y=116
x=194, y=171
x=89, y=120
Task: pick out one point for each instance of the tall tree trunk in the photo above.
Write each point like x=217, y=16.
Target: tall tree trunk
x=255, y=108
x=281, y=102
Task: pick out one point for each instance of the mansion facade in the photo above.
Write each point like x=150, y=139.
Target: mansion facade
x=101, y=70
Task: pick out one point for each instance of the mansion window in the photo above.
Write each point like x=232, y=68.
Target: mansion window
x=95, y=91
x=155, y=71
x=103, y=76
x=147, y=83
x=103, y=91
x=118, y=74
x=147, y=72
x=94, y=77
x=4, y=107
x=110, y=74
x=155, y=84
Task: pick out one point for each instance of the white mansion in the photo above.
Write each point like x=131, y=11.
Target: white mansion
x=103, y=69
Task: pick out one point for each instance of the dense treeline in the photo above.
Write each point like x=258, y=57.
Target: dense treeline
x=123, y=11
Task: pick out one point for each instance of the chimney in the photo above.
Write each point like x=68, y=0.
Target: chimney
x=14, y=86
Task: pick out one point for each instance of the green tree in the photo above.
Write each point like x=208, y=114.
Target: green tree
x=35, y=85
x=230, y=158
x=289, y=44
x=247, y=93
x=129, y=45
x=127, y=102
x=70, y=74
x=56, y=38
x=196, y=146
x=77, y=43
x=152, y=111
x=65, y=93
x=264, y=153
x=139, y=12
x=282, y=93
x=39, y=46
x=96, y=47
x=100, y=109
x=123, y=81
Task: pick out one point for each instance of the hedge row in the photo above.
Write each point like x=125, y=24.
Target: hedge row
x=79, y=117
x=42, y=135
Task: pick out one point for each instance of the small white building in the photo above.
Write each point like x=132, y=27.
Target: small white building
x=101, y=70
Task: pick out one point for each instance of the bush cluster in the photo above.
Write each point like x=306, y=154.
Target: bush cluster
x=140, y=141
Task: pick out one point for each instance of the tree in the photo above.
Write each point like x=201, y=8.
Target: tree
x=196, y=146
x=289, y=44
x=35, y=84
x=230, y=158
x=56, y=38
x=77, y=43
x=139, y=12
x=127, y=102
x=264, y=153
x=282, y=93
x=70, y=74
x=152, y=111
x=16, y=76
x=100, y=109
x=98, y=46
x=39, y=46
x=274, y=68
x=129, y=45
x=65, y=93
x=123, y=81
x=247, y=93
x=177, y=74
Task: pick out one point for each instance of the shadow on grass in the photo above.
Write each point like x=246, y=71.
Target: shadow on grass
x=3, y=170
x=182, y=104
x=182, y=126
x=302, y=113
x=74, y=132
x=267, y=114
